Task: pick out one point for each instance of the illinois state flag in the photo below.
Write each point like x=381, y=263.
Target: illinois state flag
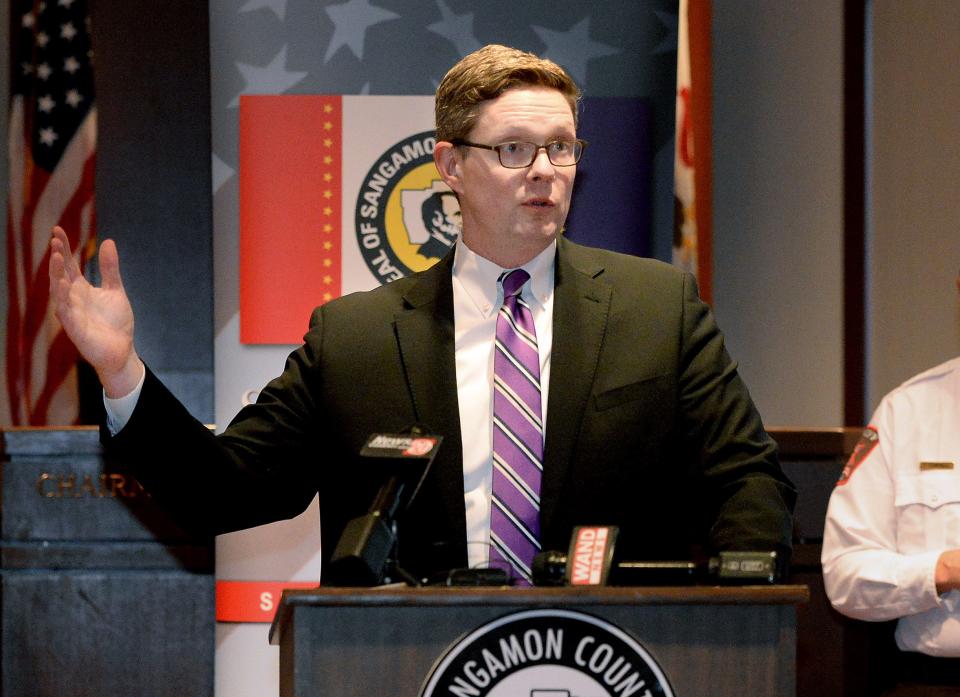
x=337, y=194
x=692, y=239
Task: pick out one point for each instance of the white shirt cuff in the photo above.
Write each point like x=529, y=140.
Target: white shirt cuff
x=121, y=409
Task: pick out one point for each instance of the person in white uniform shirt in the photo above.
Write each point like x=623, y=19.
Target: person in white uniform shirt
x=891, y=547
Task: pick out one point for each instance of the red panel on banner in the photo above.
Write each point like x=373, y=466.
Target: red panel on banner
x=252, y=601
x=290, y=193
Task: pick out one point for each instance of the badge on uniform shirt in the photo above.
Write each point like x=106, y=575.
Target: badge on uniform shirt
x=868, y=441
x=928, y=466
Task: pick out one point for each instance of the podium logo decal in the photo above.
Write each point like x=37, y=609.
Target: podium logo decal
x=406, y=217
x=547, y=653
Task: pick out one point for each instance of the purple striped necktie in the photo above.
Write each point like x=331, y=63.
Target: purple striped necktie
x=517, y=435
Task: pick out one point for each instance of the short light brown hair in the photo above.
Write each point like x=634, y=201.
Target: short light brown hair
x=486, y=74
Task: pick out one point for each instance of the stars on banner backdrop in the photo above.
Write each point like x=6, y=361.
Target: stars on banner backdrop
x=392, y=47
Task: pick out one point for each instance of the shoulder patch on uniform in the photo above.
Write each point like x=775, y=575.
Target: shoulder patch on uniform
x=868, y=441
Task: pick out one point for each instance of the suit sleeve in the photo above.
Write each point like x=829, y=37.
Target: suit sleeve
x=747, y=500
x=260, y=470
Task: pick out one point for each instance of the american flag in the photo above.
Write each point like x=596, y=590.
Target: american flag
x=52, y=140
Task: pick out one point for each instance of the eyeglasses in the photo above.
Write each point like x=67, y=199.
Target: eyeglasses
x=517, y=154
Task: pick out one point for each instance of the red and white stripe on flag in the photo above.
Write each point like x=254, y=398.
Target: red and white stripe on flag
x=52, y=141
x=692, y=243
x=332, y=194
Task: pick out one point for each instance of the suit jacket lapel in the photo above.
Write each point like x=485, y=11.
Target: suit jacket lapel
x=581, y=306
x=425, y=335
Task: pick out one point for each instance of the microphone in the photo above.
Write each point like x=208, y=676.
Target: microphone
x=551, y=569
x=367, y=542
x=589, y=562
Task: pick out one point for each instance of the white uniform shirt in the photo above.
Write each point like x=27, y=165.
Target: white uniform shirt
x=896, y=509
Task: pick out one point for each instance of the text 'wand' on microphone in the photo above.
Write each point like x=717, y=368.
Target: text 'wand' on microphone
x=589, y=562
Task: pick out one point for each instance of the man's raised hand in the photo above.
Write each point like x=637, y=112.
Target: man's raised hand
x=99, y=321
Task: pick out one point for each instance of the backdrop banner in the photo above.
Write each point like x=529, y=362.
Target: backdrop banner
x=340, y=194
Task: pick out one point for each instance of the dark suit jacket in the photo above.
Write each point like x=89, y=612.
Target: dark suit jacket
x=649, y=426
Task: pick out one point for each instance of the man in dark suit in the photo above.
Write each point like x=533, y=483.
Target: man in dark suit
x=641, y=417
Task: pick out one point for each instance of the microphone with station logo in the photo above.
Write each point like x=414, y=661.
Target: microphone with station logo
x=368, y=541
x=589, y=561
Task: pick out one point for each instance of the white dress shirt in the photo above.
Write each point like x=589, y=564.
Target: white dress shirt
x=477, y=298
x=895, y=510
x=120, y=410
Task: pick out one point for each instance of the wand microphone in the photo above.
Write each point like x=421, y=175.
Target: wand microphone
x=590, y=558
x=589, y=562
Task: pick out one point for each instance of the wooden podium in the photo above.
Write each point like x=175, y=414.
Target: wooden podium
x=708, y=640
